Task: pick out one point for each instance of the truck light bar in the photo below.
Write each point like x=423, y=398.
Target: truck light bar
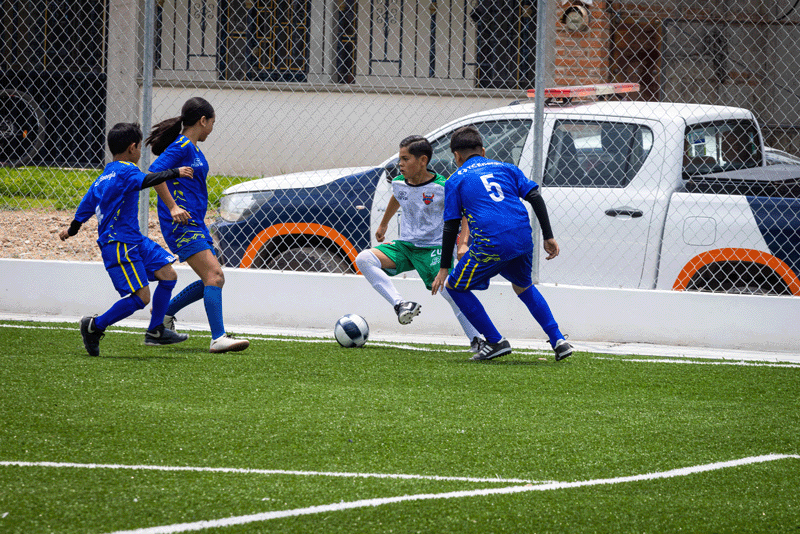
x=578, y=91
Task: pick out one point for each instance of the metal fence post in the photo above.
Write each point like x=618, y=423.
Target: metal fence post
x=538, y=123
x=147, y=107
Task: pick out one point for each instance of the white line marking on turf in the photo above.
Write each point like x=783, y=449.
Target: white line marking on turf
x=266, y=472
x=695, y=362
x=335, y=507
x=726, y=359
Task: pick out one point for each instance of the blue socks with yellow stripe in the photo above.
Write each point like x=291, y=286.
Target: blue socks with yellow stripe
x=121, y=309
x=161, y=296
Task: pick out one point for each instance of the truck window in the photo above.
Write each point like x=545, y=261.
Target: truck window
x=596, y=153
x=502, y=139
x=721, y=146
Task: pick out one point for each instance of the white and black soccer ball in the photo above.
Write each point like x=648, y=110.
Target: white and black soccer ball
x=351, y=331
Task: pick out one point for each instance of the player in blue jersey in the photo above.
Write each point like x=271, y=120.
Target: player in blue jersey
x=488, y=193
x=175, y=142
x=130, y=258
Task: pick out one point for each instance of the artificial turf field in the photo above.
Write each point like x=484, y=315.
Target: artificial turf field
x=300, y=435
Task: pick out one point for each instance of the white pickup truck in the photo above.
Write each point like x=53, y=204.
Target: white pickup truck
x=640, y=195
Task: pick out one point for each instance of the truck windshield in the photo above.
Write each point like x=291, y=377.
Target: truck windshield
x=721, y=146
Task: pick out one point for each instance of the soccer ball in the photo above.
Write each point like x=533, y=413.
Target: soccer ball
x=351, y=331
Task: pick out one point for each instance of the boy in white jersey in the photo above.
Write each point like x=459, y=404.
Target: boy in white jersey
x=420, y=193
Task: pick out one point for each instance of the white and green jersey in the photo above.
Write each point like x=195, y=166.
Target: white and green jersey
x=423, y=205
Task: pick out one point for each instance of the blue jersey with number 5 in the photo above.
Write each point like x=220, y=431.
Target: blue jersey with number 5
x=489, y=194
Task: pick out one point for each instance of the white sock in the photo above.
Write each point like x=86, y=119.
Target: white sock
x=370, y=266
x=469, y=330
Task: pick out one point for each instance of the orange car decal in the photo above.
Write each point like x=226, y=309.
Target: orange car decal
x=298, y=229
x=737, y=254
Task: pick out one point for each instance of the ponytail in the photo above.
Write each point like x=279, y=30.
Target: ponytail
x=165, y=132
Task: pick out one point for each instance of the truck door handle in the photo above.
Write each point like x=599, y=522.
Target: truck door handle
x=627, y=211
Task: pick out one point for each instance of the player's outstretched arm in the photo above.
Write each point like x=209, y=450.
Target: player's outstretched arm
x=70, y=231
x=391, y=209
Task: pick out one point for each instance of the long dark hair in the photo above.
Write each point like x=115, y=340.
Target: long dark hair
x=165, y=132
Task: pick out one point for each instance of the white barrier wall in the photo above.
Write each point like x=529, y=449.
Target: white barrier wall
x=298, y=301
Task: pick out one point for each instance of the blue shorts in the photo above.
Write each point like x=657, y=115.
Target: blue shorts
x=188, y=240
x=132, y=266
x=472, y=273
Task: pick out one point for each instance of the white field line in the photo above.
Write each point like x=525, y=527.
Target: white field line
x=290, y=339
x=695, y=362
x=267, y=472
x=336, y=507
x=402, y=346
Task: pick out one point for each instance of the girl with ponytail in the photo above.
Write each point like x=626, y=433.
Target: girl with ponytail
x=175, y=141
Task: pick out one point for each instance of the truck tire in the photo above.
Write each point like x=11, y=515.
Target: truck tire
x=739, y=278
x=22, y=128
x=309, y=259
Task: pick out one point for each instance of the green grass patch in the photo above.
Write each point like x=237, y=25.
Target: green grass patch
x=294, y=405
x=25, y=188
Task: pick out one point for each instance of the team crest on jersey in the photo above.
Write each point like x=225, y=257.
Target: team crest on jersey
x=401, y=195
x=427, y=199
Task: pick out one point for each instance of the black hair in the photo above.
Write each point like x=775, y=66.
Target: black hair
x=466, y=139
x=122, y=135
x=165, y=132
x=417, y=146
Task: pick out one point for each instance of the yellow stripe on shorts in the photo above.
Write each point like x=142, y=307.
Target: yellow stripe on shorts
x=122, y=266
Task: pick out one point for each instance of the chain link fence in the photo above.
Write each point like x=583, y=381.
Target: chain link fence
x=691, y=183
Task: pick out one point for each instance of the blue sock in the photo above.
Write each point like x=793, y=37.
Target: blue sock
x=161, y=298
x=541, y=312
x=121, y=309
x=212, y=297
x=473, y=310
x=191, y=293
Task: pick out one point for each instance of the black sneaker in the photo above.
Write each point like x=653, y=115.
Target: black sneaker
x=490, y=351
x=406, y=311
x=91, y=336
x=476, y=345
x=163, y=336
x=562, y=349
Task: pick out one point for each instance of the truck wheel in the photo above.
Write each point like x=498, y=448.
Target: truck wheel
x=22, y=128
x=739, y=278
x=309, y=259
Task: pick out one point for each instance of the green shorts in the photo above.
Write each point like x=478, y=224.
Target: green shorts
x=407, y=257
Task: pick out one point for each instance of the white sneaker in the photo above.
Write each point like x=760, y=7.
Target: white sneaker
x=227, y=343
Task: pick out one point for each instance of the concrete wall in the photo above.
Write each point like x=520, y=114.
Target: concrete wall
x=315, y=301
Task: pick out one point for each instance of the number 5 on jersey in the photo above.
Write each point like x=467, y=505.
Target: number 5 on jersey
x=494, y=189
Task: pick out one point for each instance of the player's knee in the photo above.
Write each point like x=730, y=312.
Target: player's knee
x=167, y=272
x=366, y=258
x=215, y=277
x=143, y=295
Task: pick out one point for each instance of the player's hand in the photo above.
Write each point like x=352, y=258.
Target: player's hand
x=63, y=234
x=551, y=247
x=180, y=215
x=185, y=172
x=439, y=281
x=380, y=233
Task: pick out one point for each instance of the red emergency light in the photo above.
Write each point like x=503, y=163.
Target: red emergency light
x=580, y=91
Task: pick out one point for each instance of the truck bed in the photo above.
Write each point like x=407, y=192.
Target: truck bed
x=771, y=181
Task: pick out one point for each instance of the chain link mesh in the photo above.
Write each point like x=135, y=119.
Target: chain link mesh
x=668, y=188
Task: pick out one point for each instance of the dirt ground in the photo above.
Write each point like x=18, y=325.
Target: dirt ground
x=33, y=235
